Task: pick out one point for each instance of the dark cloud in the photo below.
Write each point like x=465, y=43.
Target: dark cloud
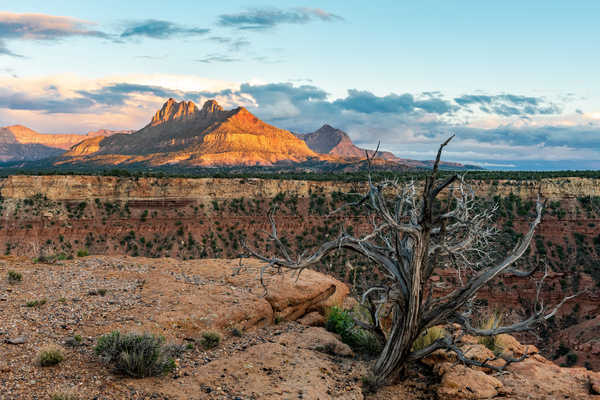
x=48, y=104
x=266, y=18
x=366, y=102
x=159, y=29
x=508, y=104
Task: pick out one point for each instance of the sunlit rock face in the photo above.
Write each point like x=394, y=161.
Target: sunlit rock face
x=181, y=133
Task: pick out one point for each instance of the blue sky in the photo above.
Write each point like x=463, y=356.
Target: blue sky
x=516, y=82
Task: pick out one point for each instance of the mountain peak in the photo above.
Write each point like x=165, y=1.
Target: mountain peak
x=211, y=106
x=173, y=110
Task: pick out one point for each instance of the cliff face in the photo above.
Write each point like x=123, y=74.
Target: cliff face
x=199, y=218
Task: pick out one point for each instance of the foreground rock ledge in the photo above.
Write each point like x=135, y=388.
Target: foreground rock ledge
x=273, y=359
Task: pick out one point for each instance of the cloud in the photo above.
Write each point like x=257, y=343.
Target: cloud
x=410, y=125
x=267, y=18
x=508, y=104
x=42, y=27
x=366, y=102
x=159, y=29
x=216, y=58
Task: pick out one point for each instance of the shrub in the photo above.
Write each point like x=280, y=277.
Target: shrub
x=341, y=322
x=135, y=355
x=427, y=337
x=237, y=332
x=491, y=342
x=50, y=356
x=36, y=303
x=571, y=359
x=14, y=276
x=210, y=340
x=64, y=396
x=82, y=253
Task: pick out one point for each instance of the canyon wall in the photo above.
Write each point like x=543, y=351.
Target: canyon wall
x=49, y=217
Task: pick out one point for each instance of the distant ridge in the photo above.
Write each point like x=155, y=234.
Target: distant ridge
x=19, y=143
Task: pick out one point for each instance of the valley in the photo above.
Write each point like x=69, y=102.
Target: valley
x=55, y=217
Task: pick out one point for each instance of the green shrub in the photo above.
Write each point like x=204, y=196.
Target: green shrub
x=14, y=276
x=82, y=253
x=237, y=332
x=491, y=342
x=36, y=303
x=341, y=322
x=571, y=359
x=427, y=337
x=210, y=340
x=64, y=396
x=50, y=356
x=135, y=355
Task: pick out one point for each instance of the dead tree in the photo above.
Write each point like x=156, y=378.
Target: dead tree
x=413, y=233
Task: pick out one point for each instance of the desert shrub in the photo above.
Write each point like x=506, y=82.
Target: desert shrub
x=571, y=359
x=14, y=276
x=82, y=253
x=135, y=355
x=97, y=292
x=360, y=340
x=50, y=356
x=237, y=332
x=210, y=340
x=36, y=303
x=64, y=396
x=491, y=342
x=427, y=337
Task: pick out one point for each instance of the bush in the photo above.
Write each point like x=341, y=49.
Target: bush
x=571, y=359
x=50, y=356
x=82, y=253
x=427, y=337
x=64, y=396
x=135, y=355
x=491, y=342
x=341, y=322
x=14, y=276
x=36, y=303
x=210, y=340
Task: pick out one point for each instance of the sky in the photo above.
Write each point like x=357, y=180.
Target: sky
x=516, y=82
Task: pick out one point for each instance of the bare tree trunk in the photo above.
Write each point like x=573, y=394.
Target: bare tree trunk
x=405, y=329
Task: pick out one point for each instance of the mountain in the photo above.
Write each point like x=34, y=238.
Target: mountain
x=329, y=140
x=181, y=133
x=19, y=143
x=335, y=142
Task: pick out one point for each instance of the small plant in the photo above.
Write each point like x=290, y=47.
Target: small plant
x=237, y=332
x=82, y=253
x=210, y=340
x=135, y=355
x=491, y=342
x=64, y=396
x=427, y=337
x=97, y=292
x=14, y=276
x=50, y=356
x=36, y=303
x=341, y=322
x=369, y=383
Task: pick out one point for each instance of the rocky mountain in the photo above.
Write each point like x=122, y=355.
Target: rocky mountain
x=19, y=143
x=181, y=133
x=335, y=142
x=329, y=140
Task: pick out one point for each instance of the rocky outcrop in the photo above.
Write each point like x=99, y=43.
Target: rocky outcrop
x=180, y=133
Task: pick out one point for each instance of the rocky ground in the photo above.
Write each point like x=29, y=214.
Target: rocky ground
x=272, y=347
